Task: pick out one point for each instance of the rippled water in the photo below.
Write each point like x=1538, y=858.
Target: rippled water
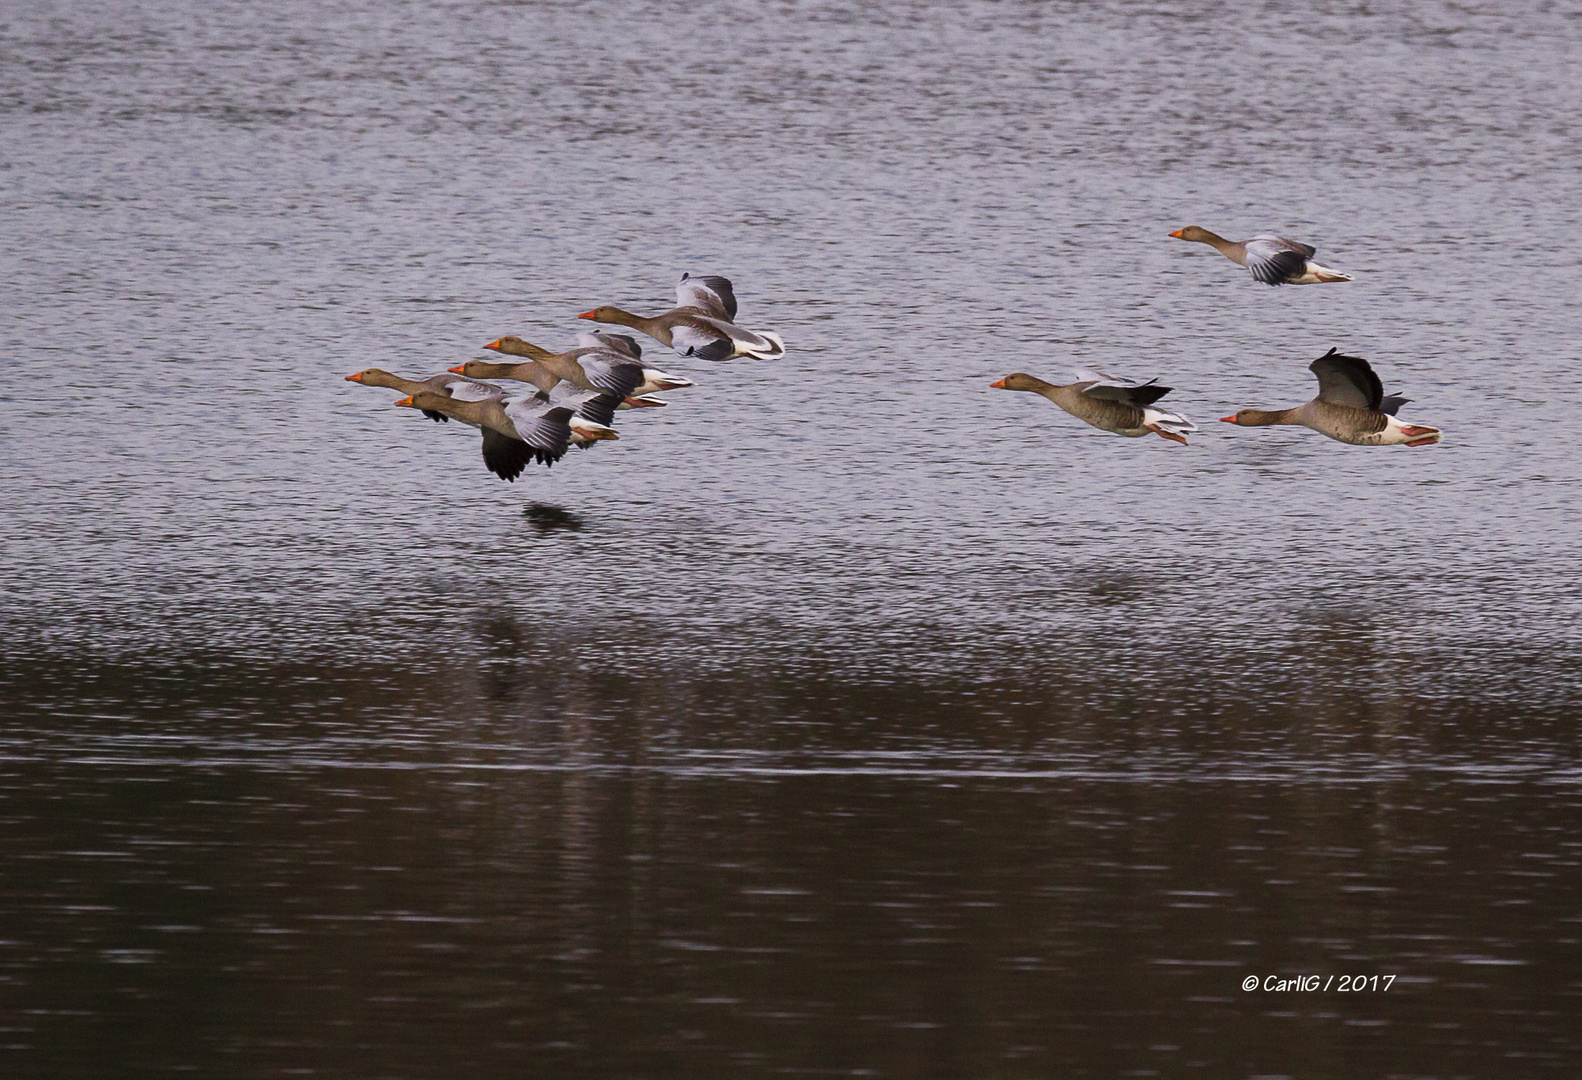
x=847, y=716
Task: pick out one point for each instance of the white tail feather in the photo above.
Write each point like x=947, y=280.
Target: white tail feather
x=1168, y=421
x=774, y=351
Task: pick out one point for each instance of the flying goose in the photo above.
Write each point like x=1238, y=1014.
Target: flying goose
x=515, y=431
x=450, y=385
x=1350, y=406
x=1109, y=404
x=1273, y=260
x=603, y=363
x=702, y=323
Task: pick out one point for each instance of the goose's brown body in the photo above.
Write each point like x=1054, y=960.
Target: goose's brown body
x=1273, y=260
x=602, y=368
x=1360, y=427
x=702, y=323
x=444, y=385
x=1351, y=407
x=1117, y=416
x=1122, y=409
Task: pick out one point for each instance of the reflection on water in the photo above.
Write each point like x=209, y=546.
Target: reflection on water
x=547, y=518
x=509, y=862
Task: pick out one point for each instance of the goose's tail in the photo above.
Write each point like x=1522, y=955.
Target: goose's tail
x=771, y=349
x=1399, y=432
x=585, y=432
x=1324, y=273
x=663, y=380
x=1168, y=425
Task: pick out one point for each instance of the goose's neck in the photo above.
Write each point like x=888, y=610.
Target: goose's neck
x=525, y=348
x=1221, y=245
x=528, y=371
x=625, y=318
x=1266, y=418
x=395, y=382
x=483, y=369
x=465, y=411
x=654, y=328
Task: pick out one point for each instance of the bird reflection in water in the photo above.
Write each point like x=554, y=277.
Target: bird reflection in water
x=546, y=518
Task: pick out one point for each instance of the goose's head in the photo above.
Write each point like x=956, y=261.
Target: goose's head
x=1018, y=381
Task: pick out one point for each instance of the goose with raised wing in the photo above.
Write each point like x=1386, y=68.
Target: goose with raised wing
x=516, y=431
x=603, y=363
x=1351, y=407
x=1110, y=404
x=452, y=384
x=702, y=324
x=1273, y=260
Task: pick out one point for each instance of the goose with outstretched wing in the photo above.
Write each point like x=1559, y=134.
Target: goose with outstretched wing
x=702, y=323
x=1109, y=404
x=1351, y=407
x=1273, y=260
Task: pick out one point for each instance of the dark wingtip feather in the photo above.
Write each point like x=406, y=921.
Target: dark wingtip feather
x=601, y=410
x=505, y=457
x=1280, y=268
x=716, y=351
x=727, y=294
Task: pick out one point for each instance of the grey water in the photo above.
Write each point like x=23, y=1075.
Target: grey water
x=847, y=717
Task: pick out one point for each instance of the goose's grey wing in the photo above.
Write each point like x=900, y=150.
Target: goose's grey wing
x=464, y=389
x=600, y=408
x=1275, y=260
x=1347, y=380
x=505, y=457
x=612, y=373
x=1145, y=394
x=621, y=343
x=1392, y=404
x=1109, y=388
x=710, y=293
x=1307, y=251
x=547, y=434
x=700, y=337
x=709, y=338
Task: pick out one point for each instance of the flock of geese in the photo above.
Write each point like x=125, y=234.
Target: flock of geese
x=1351, y=405
x=571, y=397
x=575, y=394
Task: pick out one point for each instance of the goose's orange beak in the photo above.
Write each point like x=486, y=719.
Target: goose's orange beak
x=1227, y=419
x=495, y=344
x=1177, y=234
x=406, y=403
x=589, y=315
x=457, y=370
x=998, y=385
x=355, y=378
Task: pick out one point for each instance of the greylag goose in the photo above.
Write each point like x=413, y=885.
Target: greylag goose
x=450, y=385
x=593, y=412
x=702, y=323
x=603, y=363
x=1109, y=404
x=1351, y=406
x=516, y=431
x=1273, y=260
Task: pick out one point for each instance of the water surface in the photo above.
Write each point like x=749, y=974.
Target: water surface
x=847, y=716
